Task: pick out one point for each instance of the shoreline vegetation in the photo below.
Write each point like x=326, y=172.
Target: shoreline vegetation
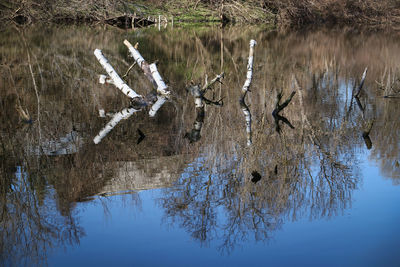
x=281, y=13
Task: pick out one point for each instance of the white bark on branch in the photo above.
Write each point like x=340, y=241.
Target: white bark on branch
x=150, y=71
x=157, y=105
x=247, y=116
x=249, y=75
x=141, y=62
x=245, y=89
x=207, y=85
x=124, y=114
x=135, y=53
x=198, y=96
x=117, y=81
x=161, y=87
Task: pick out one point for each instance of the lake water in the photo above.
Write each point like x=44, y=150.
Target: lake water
x=319, y=186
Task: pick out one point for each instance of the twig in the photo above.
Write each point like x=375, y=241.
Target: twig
x=129, y=69
x=207, y=85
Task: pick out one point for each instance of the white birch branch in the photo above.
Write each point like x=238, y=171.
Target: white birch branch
x=135, y=53
x=161, y=87
x=249, y=75
x=104, y=79
x=157, y=105
x=117, y=81
x=124, y=114
x=150, y=71
x=245, y=89
x=198, y=97
x=247, y=115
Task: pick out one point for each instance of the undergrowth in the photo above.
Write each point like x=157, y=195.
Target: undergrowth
x=385, y=13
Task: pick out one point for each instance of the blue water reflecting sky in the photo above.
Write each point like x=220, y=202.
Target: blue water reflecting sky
x=322, y=198
x=129, y=234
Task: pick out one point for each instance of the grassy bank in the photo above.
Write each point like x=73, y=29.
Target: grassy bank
x=287, y=13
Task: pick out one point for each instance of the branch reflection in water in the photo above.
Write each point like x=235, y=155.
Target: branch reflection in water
x=213, y=190
x=245, y=89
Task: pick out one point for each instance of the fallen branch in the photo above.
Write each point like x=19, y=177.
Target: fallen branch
x=249, y=75
x=161, y=86
x=150, y=70
x=129, y=69
x=199, y=101
x=277, y=119
x=116, y=80
x=245, y=89
x=138, y=102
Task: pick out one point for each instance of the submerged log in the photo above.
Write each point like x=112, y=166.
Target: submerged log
x=150, y=72
x=141, y=136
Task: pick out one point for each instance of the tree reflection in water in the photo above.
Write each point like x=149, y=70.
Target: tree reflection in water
x=30, y=222
x=309, y=171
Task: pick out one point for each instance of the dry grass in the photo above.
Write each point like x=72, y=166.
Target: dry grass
x=350, y=12
x=27, y=11
x=284, y=13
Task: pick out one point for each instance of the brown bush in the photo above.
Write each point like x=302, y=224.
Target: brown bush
x=350, y=12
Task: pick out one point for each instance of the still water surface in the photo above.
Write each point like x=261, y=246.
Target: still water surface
x=186, y=195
